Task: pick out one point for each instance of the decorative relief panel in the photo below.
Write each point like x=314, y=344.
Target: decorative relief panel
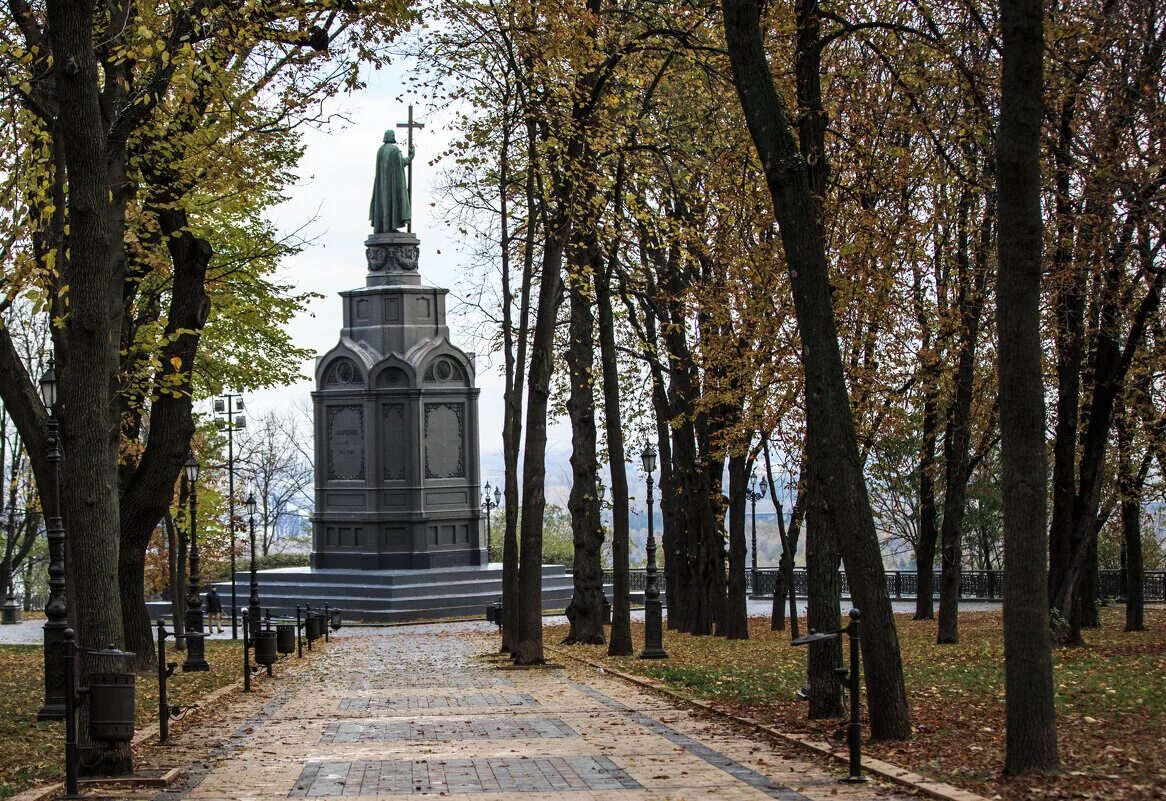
x=444, y=370
x=393, y=378
x=345, y=430
x=395, y=445
x=342, y=372
x=445, y=455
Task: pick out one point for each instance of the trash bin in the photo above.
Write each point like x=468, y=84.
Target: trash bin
x=265, y=648
x=111, y=701
x=285, y=638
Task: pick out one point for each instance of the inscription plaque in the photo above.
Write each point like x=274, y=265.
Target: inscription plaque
x=444, y=441
x=346, y=443
x=395, y=448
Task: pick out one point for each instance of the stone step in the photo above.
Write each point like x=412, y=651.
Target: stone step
x=384, y=596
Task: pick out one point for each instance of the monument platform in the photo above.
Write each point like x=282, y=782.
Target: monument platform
x=390, y=596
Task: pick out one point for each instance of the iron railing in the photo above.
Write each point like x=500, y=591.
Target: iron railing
x=975, y=585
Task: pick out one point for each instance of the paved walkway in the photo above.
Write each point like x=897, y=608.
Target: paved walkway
x=388, y=713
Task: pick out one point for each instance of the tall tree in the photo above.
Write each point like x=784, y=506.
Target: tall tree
x=833, y=447
x=1031, y=733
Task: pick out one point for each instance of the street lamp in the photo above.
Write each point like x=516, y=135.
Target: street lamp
x=228, y=415
x=254, y=613
x=489, y=506
x=755, y=493
x=57, y=607
x=653, y=610
x=195, y=645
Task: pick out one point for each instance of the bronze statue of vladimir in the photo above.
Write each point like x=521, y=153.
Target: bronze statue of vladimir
x=389, y=210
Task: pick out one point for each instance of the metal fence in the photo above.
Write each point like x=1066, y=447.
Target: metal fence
x=975, y=585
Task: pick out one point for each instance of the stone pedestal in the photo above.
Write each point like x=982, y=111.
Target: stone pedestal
x=396, y=424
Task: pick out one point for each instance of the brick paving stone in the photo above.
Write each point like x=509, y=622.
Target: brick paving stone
x=402, y=712
x=414, y=702
x=426, y=680
x=447, y=729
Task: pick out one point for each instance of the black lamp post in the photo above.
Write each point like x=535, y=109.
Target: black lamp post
x=653, y=610
x=228, y=413
x=490, y=505
x=195, y=646
x=254, y=613
x=754, y=493
x=57, y=607
x=600, y=495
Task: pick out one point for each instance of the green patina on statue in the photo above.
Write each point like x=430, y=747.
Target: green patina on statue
x=390, y=208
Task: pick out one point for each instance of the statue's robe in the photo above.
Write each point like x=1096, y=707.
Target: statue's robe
x=389, y=209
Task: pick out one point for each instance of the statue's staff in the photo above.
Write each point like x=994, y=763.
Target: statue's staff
x=409, y=126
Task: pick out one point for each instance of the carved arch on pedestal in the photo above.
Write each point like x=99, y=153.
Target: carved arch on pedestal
x=447, y=368
x=394, y=373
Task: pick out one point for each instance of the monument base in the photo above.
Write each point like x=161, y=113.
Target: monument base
x=358, y=562
x=390, y=596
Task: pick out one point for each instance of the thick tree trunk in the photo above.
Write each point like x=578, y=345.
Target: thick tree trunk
x=586, y=609
x=737, y=613
x=1031, y=733
x=620, y=643
x=823, y=612
x=88, y=369
x=1131, y=519
x=146, y=496
x=834, y=454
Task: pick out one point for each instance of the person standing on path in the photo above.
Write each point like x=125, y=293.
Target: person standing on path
x=214, y=608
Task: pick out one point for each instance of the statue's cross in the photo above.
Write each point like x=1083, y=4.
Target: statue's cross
x=409, y=126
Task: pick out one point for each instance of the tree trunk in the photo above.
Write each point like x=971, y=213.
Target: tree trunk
x=1030, y=734
x=620, y=643
x=834, y=453
x=928, y=528
x=930, y=374
x=176, y=557
x=824, y=612
x=146, y=496
x=737, y=617
x=1130, y=491
x=586, y=609
x=527, y=648
x=89, y=367
x=515, y=367
x=958, y=436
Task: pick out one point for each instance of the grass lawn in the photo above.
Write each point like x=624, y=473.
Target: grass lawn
x=32, y=753
x=1111, y=700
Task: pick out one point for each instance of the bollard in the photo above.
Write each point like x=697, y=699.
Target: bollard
x=852, y=678
x=299, y=637
x=70, y=714
x=165, y=671
x=854, y=730
x=246, y=657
